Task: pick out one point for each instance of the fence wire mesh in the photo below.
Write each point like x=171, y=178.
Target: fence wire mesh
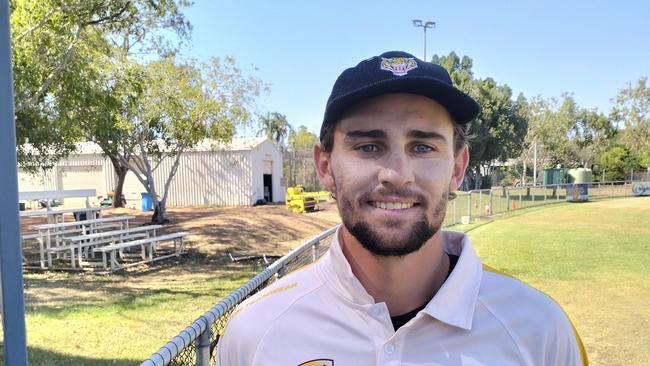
x=197, y=344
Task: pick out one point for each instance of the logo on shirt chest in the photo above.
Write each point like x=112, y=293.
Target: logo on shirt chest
x=321, y=362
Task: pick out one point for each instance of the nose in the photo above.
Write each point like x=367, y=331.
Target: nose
x=396, y=170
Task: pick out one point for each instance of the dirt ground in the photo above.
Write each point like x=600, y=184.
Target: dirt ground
x=217, y=231
x=214, y=233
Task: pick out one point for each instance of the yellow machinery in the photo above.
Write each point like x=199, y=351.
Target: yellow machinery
x=300, y=201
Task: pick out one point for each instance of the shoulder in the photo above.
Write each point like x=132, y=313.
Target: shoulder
x=535, y=322
x=252, y=319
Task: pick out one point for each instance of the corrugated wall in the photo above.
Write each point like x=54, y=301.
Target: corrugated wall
x=203, y=178
x=208, y=178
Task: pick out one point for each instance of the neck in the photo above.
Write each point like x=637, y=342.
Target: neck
x=403, y=283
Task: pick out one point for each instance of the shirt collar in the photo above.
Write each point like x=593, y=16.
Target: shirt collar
x=337, y=271
x=455, y=301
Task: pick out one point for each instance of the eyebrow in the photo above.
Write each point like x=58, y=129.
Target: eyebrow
x=419, y=134
x=365, y=134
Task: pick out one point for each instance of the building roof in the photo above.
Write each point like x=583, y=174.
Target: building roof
x=237, y=144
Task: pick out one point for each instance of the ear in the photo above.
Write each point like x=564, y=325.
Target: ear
x=460, y=165
x=323, y=166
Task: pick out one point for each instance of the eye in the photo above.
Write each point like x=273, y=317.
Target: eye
x=421, y=148
x=369, y=148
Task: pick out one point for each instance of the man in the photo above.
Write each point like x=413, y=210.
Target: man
x=394, y=289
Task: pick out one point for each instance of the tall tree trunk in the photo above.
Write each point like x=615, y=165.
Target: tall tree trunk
x=159, y=213
x=120, y=171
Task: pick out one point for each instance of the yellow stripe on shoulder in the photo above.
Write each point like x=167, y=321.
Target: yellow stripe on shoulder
x=581, y=346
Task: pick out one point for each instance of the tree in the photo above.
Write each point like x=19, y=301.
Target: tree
x=500, y=127
x=181, y=105
x=105, y=110
x=632, y=110
x=566, y=134
x=56, y=47
x=299, y=166
x=302, y=139
x=275, y=127
x=616, y=161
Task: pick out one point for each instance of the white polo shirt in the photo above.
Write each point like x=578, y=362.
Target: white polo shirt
x=322, y=315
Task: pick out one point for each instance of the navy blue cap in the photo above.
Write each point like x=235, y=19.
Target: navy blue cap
x=397, y=72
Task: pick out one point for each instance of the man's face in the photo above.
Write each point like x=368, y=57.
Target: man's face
x=392, y=167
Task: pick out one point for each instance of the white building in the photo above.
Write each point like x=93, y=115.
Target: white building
x=236, y=174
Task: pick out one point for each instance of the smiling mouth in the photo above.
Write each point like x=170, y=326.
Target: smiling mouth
x=393, y=205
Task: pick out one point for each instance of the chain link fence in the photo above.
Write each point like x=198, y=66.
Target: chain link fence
x=196, y=344
x=468, y=206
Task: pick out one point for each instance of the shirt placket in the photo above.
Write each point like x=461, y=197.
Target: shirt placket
x=389, y=345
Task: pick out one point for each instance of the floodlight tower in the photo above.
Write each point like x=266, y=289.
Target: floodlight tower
x=424, y=26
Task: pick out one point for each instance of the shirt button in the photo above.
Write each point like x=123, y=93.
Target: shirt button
x=389, y=349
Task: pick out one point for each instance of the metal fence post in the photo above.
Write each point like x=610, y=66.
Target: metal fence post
x=11, y=276
x=314, y=251
x=490, y=211
x=532, y=193
x=508, y=199
x=469, y=205
x=203, y=348
x=480, y=203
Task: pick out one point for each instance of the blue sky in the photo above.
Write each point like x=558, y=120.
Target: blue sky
x=298, y=48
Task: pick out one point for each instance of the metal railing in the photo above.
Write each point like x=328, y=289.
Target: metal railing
x=487, y=202
x=197, y=343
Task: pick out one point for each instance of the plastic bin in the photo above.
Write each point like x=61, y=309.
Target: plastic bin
x=147, y=202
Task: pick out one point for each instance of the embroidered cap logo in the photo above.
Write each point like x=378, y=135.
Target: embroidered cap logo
x=399, y=66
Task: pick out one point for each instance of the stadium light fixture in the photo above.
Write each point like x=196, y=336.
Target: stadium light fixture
x=426, y=25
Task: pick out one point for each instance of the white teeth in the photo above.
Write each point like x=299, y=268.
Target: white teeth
x=393, y=205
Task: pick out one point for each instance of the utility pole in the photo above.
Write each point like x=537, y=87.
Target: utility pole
x=424, y=25
x=11, y=271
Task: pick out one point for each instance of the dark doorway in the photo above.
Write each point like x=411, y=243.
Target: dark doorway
x=268, y=187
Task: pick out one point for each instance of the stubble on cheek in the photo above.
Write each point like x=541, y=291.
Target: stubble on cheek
x=416, y=233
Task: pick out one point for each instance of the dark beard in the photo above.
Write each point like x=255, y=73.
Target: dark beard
x=419, y=233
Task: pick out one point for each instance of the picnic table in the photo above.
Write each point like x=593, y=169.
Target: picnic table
x=87, y=242
x=59, y=230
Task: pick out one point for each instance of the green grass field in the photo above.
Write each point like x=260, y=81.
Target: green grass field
x=75, y=319
x=593, y=258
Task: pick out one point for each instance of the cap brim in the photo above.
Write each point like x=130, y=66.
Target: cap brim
x=461, y=107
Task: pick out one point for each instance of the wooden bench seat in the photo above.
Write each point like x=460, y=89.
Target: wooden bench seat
x=150, y=243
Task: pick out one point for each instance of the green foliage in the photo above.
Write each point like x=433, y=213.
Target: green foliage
x=59, y=49
x=566, y=134
x=632, y=110
x=182, y=104
x=302, y=139
x=275, y=127
x=299, y=162
x=617, y=161
x=499, y=130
